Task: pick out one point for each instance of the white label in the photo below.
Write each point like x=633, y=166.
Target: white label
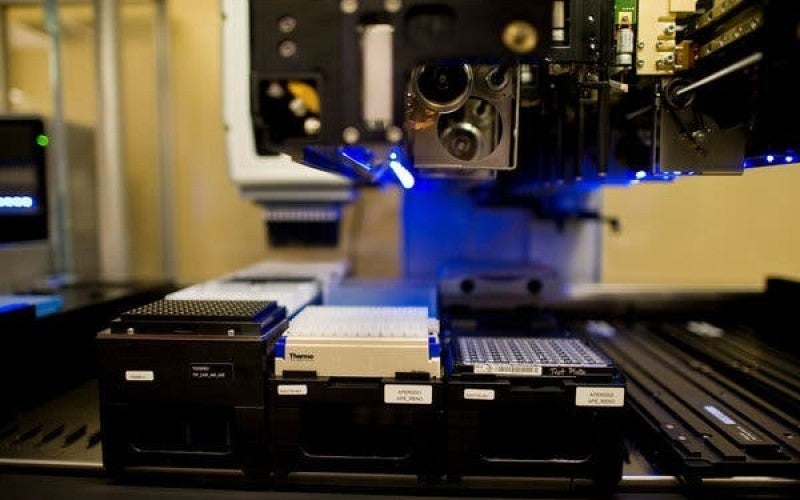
x=508, y=369
x=293, y=390
x=139, y=376
x=610, y=397
x=479, y=394
x=719, y=415
x=703, y=329
x=408, y=394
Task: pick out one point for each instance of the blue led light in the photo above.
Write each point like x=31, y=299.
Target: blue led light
x=358, y=156
x=17, y=202
x=770, y=158
x=789, y=159
x=641, y=174
x=402, y=174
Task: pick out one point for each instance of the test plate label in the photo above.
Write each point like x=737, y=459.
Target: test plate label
x=139, y=375
x=479, y=394
x=508, y=369
x=407, y=394
x=292, y=390
x=607, y=397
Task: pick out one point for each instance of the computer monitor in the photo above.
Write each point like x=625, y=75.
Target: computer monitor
x=23, y=186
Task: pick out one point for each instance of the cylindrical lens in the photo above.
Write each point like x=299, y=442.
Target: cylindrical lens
x=463, y=141
x=443, y=88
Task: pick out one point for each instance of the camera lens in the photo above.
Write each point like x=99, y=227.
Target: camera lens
x=463, y=141
x=443, y=88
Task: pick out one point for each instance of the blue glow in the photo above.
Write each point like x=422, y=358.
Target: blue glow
x=770, y=158
x=18, y=202
x=789, y=159
x=641, y=174
x=402, y=174
x=361, y=156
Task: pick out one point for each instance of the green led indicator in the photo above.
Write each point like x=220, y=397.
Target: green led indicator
x=42, y=140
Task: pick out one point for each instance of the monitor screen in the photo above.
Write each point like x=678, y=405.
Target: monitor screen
x=23, y=189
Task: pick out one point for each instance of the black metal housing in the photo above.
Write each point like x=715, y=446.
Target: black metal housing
x=344, y=425
x=171, y=400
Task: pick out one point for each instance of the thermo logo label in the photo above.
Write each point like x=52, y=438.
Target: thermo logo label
x=407, y=394
x=292, y=390
x=479, y=394
x=609, y=397
x=139, y=376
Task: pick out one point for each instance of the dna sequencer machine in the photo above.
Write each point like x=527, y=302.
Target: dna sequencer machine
x=496, y=365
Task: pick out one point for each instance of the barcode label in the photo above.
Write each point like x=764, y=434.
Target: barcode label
x=407, y=394
x=604, y=397
x=479, y=394
x=293, y=390
x=139, y=376
x=508, y=369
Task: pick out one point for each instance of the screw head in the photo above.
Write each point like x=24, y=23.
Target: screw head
x=287, y=24
x=312, y=125
x=350, y=135
x=520, y=37
x=348, y=6
x=393, y=5
x=699, y=136
x=287, y=49
x=394, y=134
x=275, y=90
x=298, y=107
x=231, y=332
x=130, y=331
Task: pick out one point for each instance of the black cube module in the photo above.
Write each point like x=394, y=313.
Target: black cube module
x=182, y=385
x=537, y=407
x=356, y=425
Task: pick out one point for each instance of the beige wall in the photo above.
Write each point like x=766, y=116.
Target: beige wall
x=729, y=230
x=215, y=229
x=711, y=230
